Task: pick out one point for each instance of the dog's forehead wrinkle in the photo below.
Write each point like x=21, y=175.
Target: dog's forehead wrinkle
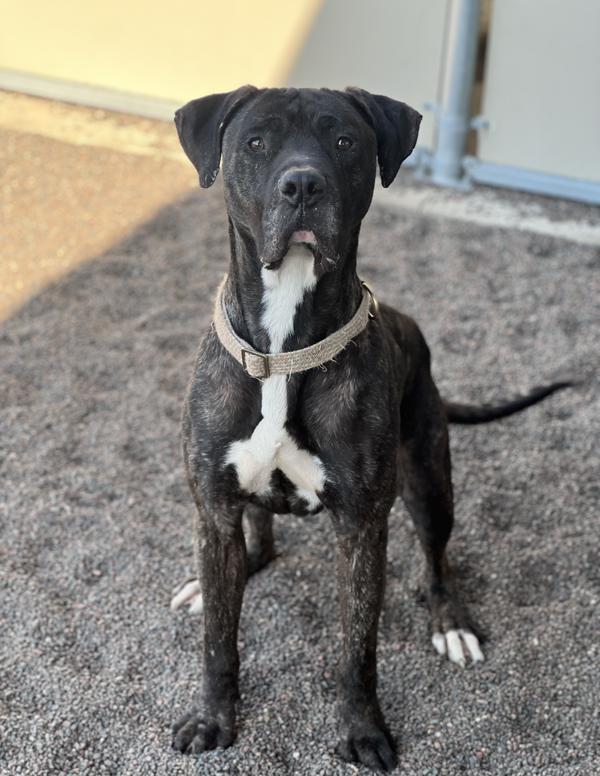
x=266, y=121
x=274, y=101
x=319, y=106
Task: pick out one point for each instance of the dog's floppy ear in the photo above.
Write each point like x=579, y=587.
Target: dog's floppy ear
x=396, y=127
x=200, y=126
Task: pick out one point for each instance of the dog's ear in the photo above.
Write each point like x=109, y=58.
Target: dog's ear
x=200, y=126
x=396, y=127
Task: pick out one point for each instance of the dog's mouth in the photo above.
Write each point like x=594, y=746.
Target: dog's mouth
x=303, y=237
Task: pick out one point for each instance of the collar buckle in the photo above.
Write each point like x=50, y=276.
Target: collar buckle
x=265, y=363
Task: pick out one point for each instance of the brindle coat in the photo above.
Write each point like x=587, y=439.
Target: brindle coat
x=373, y=417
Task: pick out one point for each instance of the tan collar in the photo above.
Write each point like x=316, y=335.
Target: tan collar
x=262, y=365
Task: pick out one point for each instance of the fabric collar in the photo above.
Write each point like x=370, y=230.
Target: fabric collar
x=263, y=365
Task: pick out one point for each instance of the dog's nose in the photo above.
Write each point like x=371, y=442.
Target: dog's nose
x=302, y=185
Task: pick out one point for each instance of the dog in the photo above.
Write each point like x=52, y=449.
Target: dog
x=307, y=395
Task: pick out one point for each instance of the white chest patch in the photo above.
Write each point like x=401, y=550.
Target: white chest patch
x=270, y=447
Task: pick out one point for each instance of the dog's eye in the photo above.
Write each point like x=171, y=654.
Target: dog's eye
x=256, y=144
x=344, y=143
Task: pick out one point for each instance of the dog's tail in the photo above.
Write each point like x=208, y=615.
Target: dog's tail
x=473, y=413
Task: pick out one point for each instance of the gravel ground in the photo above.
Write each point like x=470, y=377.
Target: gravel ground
x=96, y=520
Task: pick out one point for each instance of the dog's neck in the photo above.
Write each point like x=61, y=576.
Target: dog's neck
x=325, y=307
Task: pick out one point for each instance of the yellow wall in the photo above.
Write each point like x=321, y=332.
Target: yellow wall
x=174, y=50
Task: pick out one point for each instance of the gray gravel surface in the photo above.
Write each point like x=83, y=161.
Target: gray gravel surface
x=96, y=520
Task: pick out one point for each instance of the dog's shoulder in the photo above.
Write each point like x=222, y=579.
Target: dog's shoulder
x=405, y=330
x=219, y=392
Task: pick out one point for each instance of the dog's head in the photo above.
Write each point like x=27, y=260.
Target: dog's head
x=298, y=164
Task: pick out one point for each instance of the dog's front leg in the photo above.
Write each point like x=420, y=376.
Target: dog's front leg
x=222, y=572
x=361, y=577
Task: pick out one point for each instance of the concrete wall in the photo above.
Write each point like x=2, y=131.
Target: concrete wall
x=392, y=48
x=542, y=87
x=174, y=51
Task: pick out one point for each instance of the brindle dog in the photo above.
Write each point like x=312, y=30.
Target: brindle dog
x=298, y=170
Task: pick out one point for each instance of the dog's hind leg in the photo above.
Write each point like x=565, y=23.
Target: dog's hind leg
x=426, y=488
x=258, y=530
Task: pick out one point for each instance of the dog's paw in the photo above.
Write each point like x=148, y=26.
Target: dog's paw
x=369, y=744
x=458, y=645
x=195, y=733
x=188, y=593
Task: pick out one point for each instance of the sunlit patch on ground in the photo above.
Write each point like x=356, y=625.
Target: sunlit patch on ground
x=74, y=181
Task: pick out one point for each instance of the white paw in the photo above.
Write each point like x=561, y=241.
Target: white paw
x=458, y=645
x=188, y=593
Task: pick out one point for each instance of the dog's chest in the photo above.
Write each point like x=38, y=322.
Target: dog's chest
x=270, y=447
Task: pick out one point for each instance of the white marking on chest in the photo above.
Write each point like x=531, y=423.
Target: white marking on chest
x=271, y=447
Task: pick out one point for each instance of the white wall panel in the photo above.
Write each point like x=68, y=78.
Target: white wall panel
x=542, y=87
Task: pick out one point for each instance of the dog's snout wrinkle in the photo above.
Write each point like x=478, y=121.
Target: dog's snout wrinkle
x=302, y=185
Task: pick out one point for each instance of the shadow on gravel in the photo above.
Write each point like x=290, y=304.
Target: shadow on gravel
x=96, y=519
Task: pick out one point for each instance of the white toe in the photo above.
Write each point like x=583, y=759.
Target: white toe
x=187, y=594
x=458, y=645
x=455, y=650
x=439, y=643
x=472, y=644
x=196, y=604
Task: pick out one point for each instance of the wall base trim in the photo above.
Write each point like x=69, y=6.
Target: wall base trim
x=87, y=94
x=551, y=185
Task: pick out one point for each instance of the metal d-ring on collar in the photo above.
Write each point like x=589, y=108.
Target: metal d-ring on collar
x=374, y=302
x=263, y=365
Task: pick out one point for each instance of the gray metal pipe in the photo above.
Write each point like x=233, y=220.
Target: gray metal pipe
x=453, y=115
